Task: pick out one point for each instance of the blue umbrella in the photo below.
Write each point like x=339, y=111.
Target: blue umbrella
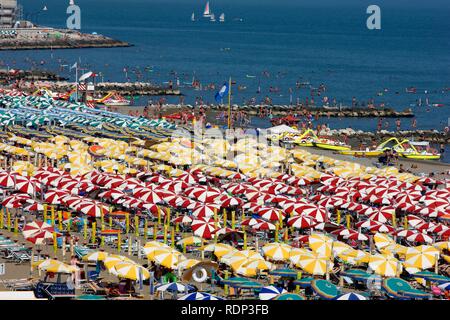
x=445, y=286
x=350, y=296
x=199, y=296
x=174, y=286
x=270, y=292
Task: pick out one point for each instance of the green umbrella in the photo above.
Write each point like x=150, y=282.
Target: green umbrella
x=289, y=296
x=324, y=289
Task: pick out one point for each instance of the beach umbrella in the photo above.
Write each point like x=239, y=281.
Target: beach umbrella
x=130, y=271
x=166, y=258
x=184, y=219
x=324, y=289
x=277, y=251
x=192, y=240
x=15, y=200
x=420, y=237
x=54, y=266
x=301, y=222
x=384, y=265
x=175, y=287
x=350, y=296
x=205, y=210
x=187, y=264
x=289, y=296
x=111, y=194
x=421, y=257
x=270, y=292
x=28, y=185
x=314, y=263
x=271, y=214
x=382, y=240
x=55, y=196
x=199, y=296
x=204, y=227
x=38, y=232
x=317, y=213
x=35, y=206
x=220, y=249
x=321, y=244
x=96, y=256
x=149, y=195
x=7, y=179
x=112, y=259
x=445, y=286
x=93, y=209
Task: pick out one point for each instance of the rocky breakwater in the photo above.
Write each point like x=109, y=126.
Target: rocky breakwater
x=49, y=38
x=28, y=75
x=342, y=112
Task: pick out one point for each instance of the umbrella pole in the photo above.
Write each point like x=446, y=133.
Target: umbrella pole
x=436, y=265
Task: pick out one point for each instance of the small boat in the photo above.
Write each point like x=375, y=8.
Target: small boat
x=207, y=12
x=213, y=17
x=411, y=90
x=331, y=145
x=250, y=76
x=193, y=17
x=439, y=105
x=222, y=17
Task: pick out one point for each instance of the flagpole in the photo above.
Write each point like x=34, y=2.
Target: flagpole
x=229, y=104
x=76, y=80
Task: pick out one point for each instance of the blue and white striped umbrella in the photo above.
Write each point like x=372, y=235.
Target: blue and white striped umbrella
x=174, y=286
x=270, y=292
x=350, y=296
x=199, y=296
x=445, y=286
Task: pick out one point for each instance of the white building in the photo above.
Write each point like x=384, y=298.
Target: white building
x=8, y=12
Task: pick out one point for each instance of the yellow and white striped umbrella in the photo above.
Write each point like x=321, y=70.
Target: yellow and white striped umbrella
x=296, y=253
x=443, y=245
x=151, y=246
x=111, y=260
x=321, y=244
x=219, y=249
x=385, y=265
x=186, y=264
x=54, y=266
x=130, y=271
x=382, y=240
x=192, y=240
x=339, y=247
x=277, y=251
x=246, y=271
x=96, y=256
x=166, y=258
x=257, y=264
x=421, y=257
x=315, y=263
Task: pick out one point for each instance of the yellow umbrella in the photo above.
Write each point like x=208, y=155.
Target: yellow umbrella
x=246, y=271
x=111, y=260
x=296, y=253
x=385, y=265
x=166, y=258
x=219, y=249
x=277, y=251
x=186, y=264
x=192, y=240
x=443, y=245
x=257, y=264
x=96, y=256
x=339, y=247
x=320, y=243
x=315, y=263
x=382, y=240
x=54, y=266
x=421, y=257
x=130, y=271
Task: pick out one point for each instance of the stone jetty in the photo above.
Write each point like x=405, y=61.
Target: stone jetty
x=49, y=38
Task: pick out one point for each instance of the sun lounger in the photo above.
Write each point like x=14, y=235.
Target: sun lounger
x=401, y=289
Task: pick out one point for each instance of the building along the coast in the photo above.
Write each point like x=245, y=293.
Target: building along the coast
x=8, y=13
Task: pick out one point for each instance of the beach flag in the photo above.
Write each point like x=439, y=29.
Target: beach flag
x=222, y=93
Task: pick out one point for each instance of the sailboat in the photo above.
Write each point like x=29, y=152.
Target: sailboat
x=193, y=16
x=207, y=12
x=213, y=17
x=222, y=17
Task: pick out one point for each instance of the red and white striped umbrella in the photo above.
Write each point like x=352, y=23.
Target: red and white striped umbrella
x=382, y=228
x=55, y=196
x=331, y=202
x=28, y=185
x=356, y=236
x=204, y=227
x=204, y=195
x=205, y=210
x=331, y=180
x=113, y=182
x=15, y=200
x=381, y=215
x=188, y=178
x=420, y=237
x=93, y=208
x=181, y=202
x=256, y=196
x=316, y=212
x=174, y=186
x=271, y=214
x=153, y=208
x=149, y=195
x=414, y=220
x=438, y=228
x=111, y=194
x=130, y=202
x=264, y=225
x=301, y=222
x=251, y=221
x=231, y=202
x=73, y=201
x=424, y=226
x=237, y=188
x=405, y=233
x=184, y=219
x=38, y=232
x=294, y=181
x=157, y=178
x=34, y=206
x=7, y=179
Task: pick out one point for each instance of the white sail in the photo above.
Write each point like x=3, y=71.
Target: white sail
x=207, y=12
x=213, y=17
x=222, y=17
x=193, y=16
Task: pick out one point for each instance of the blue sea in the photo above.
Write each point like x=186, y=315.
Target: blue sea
x=268, y=43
